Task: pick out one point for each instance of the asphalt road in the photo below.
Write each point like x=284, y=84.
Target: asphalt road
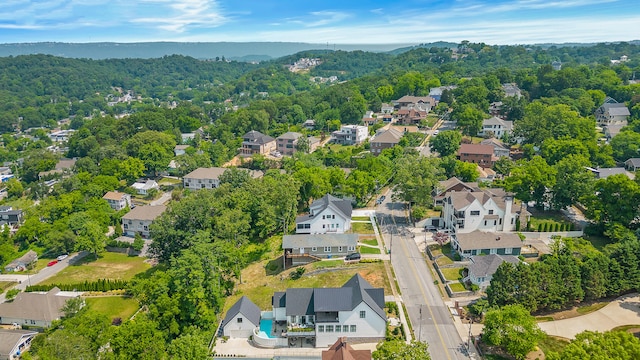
x=430, y=317
x=42, y=275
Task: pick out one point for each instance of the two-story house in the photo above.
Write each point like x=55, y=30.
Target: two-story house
x=287, y=143
x=9, y=216
x=350, y=135
x=612, y=113
x=486, y=243
x=209, y=178
x=496, y=126
x=301, y=249
x=140, y=218
x=255, y=142
x=323, y=315
x=477, y=154
x=425, y=103
x=385, y=140
x=117, y=200
x=489, y=209
x=328, y=214
x=499, y=148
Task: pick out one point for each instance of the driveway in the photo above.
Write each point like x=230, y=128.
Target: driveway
x=624, y=310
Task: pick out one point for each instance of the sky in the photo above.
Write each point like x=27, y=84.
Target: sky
x=321, y=21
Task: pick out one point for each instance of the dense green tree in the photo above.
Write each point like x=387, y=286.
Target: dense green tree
x=400, y=350
x=446, y=143
x=531, y=180
x=626, y=145
x=573, y=181
x=615, y=199
x=467, y=172
x=614, y=345
x=415, y=178
x=469, y=119
x=513, y=329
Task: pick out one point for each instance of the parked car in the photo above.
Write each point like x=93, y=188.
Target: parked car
x=381, y=199
x=52, y=262
x=353, y=256
x=62, y=257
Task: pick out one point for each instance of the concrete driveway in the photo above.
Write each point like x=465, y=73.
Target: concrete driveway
x=624, y=310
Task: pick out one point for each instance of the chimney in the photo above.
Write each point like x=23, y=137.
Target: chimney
x=508, y=204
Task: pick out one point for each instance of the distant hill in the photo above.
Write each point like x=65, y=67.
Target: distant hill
x=439, y=44
x=242, y=51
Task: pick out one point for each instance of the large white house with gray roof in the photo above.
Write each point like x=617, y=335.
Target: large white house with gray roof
x=323, y=315
x=241, y=319
x=328, y=214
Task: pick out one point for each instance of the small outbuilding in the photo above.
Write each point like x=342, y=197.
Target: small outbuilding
x=241, y=319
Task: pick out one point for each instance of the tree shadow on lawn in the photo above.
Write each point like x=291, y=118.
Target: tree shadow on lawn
x=274, y=267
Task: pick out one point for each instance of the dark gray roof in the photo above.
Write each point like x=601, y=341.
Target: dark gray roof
x=299, y=301
x=35, y=306
x=245, y=307
x=483, y=266
x=257, y=137
x=311, y=240
x=291, y=135
x=478, y=240
x=635, y=162
x=363, y=291
x=9, y=340
x=333, y=299
x=343, y=206
x=278, y=299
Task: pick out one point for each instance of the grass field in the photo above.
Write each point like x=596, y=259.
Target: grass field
x=372, y=242
x=583, y=310
x=362, y=228
x=107, y=266
x=360, y=218
x=452, y=274
x=552, y=343
x=4, y=285
x=113, y=306
x=457, y=287
x=368, y=250
x=259, y=287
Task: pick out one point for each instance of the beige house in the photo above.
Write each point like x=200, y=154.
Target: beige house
x=287, y=143
x=255, y=142
x=209, y=178
x=385, y=140
x=140, y=218
x=35, y=308
x=117, y=200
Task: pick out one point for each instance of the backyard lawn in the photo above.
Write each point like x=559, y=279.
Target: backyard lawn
x=368, y=250
x=259, y=287
x=452, y=274
x=372, y=242
x=361, y=228
x=108, y=266
x=552, y=343
x=360, y=218
x=457, y=287
x=4, y=285
x=113, y=306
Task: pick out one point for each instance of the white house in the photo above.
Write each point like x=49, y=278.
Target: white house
x=499, y=148
x=496, y=126
x=323, y=315
x=35, y=308
x=180, y=149
x=612, y=113
x=327, y=214
x=241, y=319
x=209, y=178
x=350, y=135
x=483, y=267
x=485, y=209
x=140, y=218
x=117, y=200
x=14, y=342
x=142, y=188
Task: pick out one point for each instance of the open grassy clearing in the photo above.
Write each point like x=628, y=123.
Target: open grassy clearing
x=4, y=285
x=107, y=266
x=113, y=306
x=259, y=287
x=372, y=242
x=368, y=250
x=362, y=228
x=169, y=181
x=457, y=287
x=452, y=274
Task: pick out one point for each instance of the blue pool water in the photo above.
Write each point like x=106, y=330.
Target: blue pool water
x=265, y=327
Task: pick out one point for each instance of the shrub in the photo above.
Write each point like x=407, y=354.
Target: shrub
x=297, y=274
x=540, y=227
x=545, y=228
x=11, y=294
x=99, y=285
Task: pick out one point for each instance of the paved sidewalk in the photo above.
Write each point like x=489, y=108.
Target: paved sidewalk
x=624, y=310
x=242, y=347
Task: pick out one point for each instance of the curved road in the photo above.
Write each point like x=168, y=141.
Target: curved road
x=430, y=317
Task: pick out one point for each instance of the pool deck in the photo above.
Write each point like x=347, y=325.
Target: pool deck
x=242, y=347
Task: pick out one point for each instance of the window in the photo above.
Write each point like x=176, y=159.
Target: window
x=338, y=328
x=339, y=248
x=485, y=223
x=500, y=221
x=493, y=251
x=314, y=249
x=327, y=249
x=351, y=248
x=320, y=328
x=323, y=226
x=474, y=213
x=333, y=216
x=239, y=320
x=322, y=217
x=511, y=221
x=490, y=212
x=329, y=328
x=363, y=314
x=202, y=186
x=494, y=222
x=300, y=226
x=307, y=226
x=508, y=251
x=353, y=328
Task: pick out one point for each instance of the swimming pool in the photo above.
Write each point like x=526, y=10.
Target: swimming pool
x=266, y=325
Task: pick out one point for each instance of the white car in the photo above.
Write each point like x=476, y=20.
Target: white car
x=62, y=257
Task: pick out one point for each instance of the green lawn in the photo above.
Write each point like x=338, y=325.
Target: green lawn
x=452, y=274
x=583, y=310
x=368, y=250
x=362, y=228
x=550, y=218
x=169, y=181
x=107, y=266
x=552, y=343
x=360, y=218
x=443, y=260
x=598, y=242
x=326, y=264
x=457, y=287
x=372, y=242
x=4, y=285
x=113, y=306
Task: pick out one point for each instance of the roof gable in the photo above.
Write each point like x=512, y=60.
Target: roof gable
x=247, y=308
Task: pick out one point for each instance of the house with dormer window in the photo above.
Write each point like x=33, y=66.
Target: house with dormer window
x=488, y=209
x=328, y=214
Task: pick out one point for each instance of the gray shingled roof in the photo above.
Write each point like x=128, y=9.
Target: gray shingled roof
x=299, y=301
x=478, y=240
x=635, y=162
x=343, y=206
x=10, y=338
x=363, y=291
x=391, y=136
x=291, y=135
x=257, y=137
x=35, y=306
x=311, y=240
x=245, y=307
x=333, y=299
x=486, y=265
x=146, y=212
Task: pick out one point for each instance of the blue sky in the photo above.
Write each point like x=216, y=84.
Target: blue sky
x=320, y=21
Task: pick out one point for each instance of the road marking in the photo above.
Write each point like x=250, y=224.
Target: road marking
x=424, y=295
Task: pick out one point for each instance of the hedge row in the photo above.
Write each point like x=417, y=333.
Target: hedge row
x=555, y=227
x=99, y=285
